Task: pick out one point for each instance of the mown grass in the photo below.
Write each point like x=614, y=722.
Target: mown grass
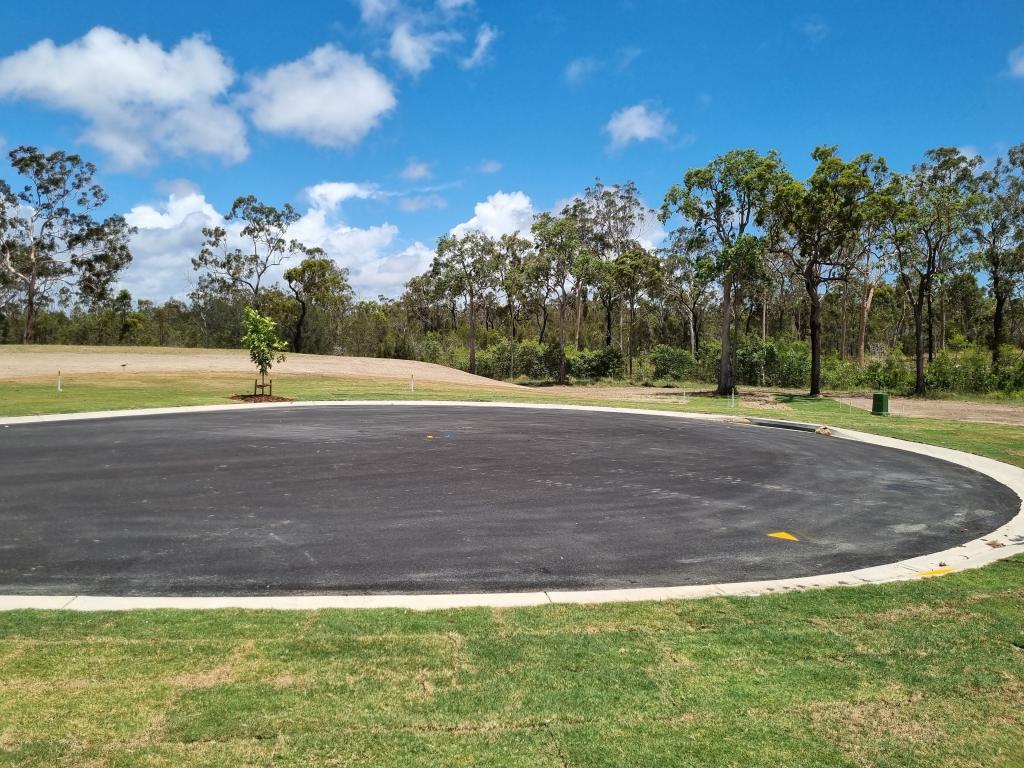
x=916, y=674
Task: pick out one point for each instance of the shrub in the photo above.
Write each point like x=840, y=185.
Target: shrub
x=968, y=371
x=889, y=373
x=603, y=363
x=672, y=362
x=1008, y=373
x=709, y=357
x=841, y=375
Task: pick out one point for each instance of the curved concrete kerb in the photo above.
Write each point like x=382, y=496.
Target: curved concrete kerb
x=1004, y=542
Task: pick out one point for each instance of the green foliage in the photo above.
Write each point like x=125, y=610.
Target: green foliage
x=969, y=371
x=260, y=338
x=773, y=362
x=889, y=373
x=503, y=359
x=593, y=364
x=672, y=362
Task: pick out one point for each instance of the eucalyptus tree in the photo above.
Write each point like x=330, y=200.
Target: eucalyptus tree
x=926, y=217
x=317, y=284
x=998, y=232
x=608, y=219
x=464, y=269
x=50, y=238
x=720, y=207
x=559, y=252
x=688, y=277
x=510, y=276
x=239, y=261
x=816, y=226
x=638, y=275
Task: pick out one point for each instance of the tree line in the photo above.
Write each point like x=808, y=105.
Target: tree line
x=762, y=278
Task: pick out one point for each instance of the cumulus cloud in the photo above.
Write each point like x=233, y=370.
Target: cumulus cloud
x=638, y=123
x=135, y=97
x=330, y=194
x=169, y=234
x=329, y=97
x=415, y=51
x=485, y=36
x=500, y=214
x=1015, y=60
x=415, y=170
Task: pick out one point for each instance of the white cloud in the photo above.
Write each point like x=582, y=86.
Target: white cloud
x=415, y=170
x=500, y=214
x=415, y=51
x=136, y=98
x=368, y=253
x=388, y=274
x=638, y=123
x=1016, y=61
x=489, y=166
x=330, y=194
x=579, y=70
x=485, y=36
x=375, y=11
x=453, y=5
x=413, y=203
x=329, y=97
x=169, y=235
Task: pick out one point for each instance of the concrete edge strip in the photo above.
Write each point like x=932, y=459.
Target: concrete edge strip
x=1005, y=541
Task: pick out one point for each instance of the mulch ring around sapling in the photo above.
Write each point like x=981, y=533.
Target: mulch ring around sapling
x=261, y=399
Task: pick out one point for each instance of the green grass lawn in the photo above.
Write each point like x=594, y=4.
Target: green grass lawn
x=928, y=673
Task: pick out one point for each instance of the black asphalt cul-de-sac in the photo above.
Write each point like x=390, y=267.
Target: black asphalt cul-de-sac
x=457, y=499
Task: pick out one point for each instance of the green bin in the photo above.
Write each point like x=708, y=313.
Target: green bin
x=880, y=404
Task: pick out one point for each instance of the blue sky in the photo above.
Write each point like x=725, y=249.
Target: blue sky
x=390, y=122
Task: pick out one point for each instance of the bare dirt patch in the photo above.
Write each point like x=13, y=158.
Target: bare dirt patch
x=957, y=410
x=31, y=362
x=637, y=394
x=262, y=399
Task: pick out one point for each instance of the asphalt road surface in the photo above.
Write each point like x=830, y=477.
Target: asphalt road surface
x=421, y=499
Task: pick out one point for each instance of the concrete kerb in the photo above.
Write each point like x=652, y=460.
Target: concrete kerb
x=1005, y=541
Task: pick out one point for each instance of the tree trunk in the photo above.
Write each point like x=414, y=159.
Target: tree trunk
x=543, y=322
x=472, y=334
x=30, y=317
x=297, y=336
x=561, y=342
x=579, y=315
x=693, y=333
x=726, y=380
x=919, y=345
x=632, y=319
x=814, y=319
x=608, y=321
x=764, y=317
x=931, y=324
x=865, y=310
x=844, y=323
x=997, y=321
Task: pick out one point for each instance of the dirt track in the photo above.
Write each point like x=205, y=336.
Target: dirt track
x=17, y=362
x=957, y=410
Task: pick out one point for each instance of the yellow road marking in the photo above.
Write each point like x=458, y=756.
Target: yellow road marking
x=935, y=572
x=784, y=535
